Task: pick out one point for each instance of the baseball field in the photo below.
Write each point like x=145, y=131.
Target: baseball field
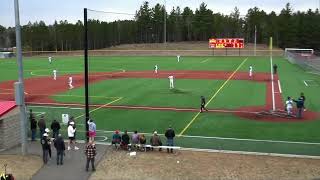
x=126, y=94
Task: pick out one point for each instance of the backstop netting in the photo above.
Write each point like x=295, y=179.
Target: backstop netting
x=305, y=58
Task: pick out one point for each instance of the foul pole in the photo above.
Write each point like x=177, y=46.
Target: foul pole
x=271, y=70
x=86, y=76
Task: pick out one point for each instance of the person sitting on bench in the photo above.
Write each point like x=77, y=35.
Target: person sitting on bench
x=155, y=140
x=125, y=140
x=116, y=138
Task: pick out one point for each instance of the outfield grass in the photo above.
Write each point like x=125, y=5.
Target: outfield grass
x=155, y=92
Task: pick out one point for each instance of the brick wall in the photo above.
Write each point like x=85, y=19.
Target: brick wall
x=10, y=130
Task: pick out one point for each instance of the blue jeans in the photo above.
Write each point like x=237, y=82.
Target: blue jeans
x=33, y=134
x=60, y=157
x=299, y=112
x=170, y=143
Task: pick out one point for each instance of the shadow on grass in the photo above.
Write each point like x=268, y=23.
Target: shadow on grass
x=179, y=91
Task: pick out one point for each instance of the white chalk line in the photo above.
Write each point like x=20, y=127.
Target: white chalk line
x=279, y=85
x=205, y=60
x=305, y=83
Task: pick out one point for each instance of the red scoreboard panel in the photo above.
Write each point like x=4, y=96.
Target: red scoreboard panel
x=226, y=43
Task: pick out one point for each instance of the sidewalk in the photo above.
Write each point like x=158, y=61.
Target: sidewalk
x=73, y=167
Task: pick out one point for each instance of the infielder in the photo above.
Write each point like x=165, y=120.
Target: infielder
x=50, y=59
x=171, y=82
x=250, y=71
x=178, y=58
x=55, y=74
x=156, y=68
x=70, y=83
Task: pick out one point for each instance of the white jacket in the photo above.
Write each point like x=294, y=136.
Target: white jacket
x=71, y=131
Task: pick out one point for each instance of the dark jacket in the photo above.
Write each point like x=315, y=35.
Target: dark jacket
x=299, y=103
x=41, y=124
x=155, y=141
x=45, y=143
x=125, y=138
x=203, y=101
x=170, y=133
x=55, y=126
x=33, y=123
x=59, y=144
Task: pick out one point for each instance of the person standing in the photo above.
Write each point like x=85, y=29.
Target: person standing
x=275, y=67
x=55, y=126
x=50, y=59
x=170, y=135
x=47, y=131
x=70, y=82
x=171, y=82
x=203, y=104
x=33, y=126
x=41, y=125
x=250, y=71
x=300, y=105
x=289, y=106
x=54, y=74
x=45, y=147
x=304, y=101
x=156, y=69
x=71, y=135
x=178, y=58
x=92, y=130
x=90, y=152
x=60, y=147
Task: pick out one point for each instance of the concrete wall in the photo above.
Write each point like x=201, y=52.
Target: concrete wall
x=10, y=130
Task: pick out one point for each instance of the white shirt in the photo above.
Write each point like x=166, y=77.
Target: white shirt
x=70, y=79
x=54, y=71
x=178, y=56
x=170, y=78
x=250, y=68
x=71, y=131
x=49, y=59
x=289, y=103
x=156, y=67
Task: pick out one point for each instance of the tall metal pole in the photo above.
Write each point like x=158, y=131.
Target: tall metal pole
x=255, y=40
x=86, y=77
x=22, y=106
x=165, y=23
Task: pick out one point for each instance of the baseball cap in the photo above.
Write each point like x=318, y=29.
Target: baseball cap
x=47, y=130
x=72, y=122
x=45, y=134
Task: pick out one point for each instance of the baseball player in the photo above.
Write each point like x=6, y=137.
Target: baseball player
x=178, y=58
x=203, y=104
x=55, y=74
x=50, y=59
x=289, y=106
x=250, y=70
x=156, y=69
x=171, y=81
x=70, y=83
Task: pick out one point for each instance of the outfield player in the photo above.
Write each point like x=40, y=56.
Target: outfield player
x=70, y=83
x=289, y=106
x=55, y=74
x=156, y=68
x=178, y=58
x=250, y=71
x=203, y=104
x=50, y=59
x=171, y=81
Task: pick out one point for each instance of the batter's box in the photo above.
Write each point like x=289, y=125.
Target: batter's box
x=311, y=83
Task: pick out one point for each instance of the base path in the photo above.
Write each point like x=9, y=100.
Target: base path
x=39, y=89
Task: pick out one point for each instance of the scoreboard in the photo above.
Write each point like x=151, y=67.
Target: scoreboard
x=226, y=43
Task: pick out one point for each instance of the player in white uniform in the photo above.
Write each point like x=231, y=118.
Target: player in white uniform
x=156, y=68
x=55, y=74
x=250, y=71
x=178, y=58
x=171, y=81
x=289, y=106
x=50, y=59
x=70, y=83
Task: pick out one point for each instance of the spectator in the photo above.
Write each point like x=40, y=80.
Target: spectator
x=275, y=67
x=45, y=147
x=90, y=153
x=300, y=105
x=170, y=135
x=55, y=126
x=143, y=141
x=41, y=125
x=289, y=106
x=116, y=138
x=60, y=147
x=92, y=130
x=304, y=100
x=125, y=140
x=155, y=140
x=47, y=130
x=71, y=135
x=33, y=126
x=135, y=139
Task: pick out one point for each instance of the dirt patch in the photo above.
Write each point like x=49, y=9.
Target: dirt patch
x=201, y=165
x=22, y=167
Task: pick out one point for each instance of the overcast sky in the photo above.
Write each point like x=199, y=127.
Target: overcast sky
x=72, y=10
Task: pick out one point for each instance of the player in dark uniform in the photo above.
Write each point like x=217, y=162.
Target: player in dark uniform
x=304, y=100
x=203, y=103
x=275, y=67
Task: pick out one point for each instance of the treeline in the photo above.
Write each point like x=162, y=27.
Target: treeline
x=288, y=29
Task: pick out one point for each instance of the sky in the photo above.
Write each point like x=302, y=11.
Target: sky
x=72, y=10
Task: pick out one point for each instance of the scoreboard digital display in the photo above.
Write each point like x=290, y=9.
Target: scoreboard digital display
x=226, y=43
